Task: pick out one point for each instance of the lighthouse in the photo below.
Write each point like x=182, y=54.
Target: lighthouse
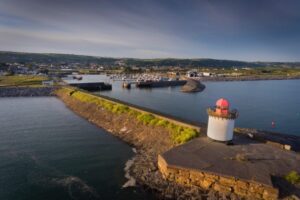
x=221, y=121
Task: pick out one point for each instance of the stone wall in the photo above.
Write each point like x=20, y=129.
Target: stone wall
x=222, y=184
x=26, y=91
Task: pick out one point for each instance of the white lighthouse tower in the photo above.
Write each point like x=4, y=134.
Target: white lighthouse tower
x=221, y=121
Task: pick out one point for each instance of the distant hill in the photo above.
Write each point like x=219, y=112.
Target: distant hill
x=70, y=58
x=51, y=58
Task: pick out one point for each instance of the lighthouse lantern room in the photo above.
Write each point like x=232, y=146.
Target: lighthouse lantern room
x=221, y=121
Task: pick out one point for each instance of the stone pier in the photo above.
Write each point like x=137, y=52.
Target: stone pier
x=245, y=169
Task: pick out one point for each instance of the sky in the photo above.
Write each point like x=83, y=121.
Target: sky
x=249, y=30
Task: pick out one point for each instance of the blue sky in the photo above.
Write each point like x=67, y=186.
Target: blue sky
x=250, y=30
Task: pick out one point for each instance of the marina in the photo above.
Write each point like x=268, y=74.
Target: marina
x=140, y=81
x=147, y=80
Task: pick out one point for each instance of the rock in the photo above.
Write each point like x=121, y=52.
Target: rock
x=124, y=129
x=222, y=189
x=270, y=194
x=193, y=86
x=206, y=183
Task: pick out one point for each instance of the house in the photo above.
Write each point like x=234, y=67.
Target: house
x=191, y=74
x=207, y=74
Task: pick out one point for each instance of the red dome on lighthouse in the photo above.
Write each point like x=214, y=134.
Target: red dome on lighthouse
x=222, y=103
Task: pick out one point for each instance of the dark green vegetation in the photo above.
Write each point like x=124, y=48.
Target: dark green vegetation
x=9, y=57
x=23, y=80
x=70, y=58
x=293, y=177
x=179, y=134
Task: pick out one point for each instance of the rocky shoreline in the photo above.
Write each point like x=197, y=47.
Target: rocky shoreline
x=26, y=91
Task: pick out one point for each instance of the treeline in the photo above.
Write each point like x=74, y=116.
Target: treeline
x=24, y=58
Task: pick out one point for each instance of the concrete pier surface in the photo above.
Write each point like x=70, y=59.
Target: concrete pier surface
x=247, y=162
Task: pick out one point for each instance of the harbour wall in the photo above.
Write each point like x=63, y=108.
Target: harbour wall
x=220, y=183
x=26, y=91
x=95, y=86
x=172, y=119
x=148, y=140
x=150, y=169
x=154, y=84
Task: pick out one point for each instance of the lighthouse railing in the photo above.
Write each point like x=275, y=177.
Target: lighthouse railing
x=233, y=114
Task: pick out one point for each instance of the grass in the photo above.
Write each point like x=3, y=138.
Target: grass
x=24, y=80
x=179, y=134
x=293, y=177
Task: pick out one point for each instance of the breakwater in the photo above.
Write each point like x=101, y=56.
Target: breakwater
x=148, y=138
x=154, y=84
x=26, y=91
x=95, y=86
x=152, y=134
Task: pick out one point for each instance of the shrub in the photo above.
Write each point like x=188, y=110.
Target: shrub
x=154, y=122
x=113, y=107
x=162, y=123
x=145, y=118
x=181, y=134
x=293, y=177
x=133, y=113
x=107, y=105
x=118, y=108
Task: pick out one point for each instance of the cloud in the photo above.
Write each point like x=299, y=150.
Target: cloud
x=143, y=28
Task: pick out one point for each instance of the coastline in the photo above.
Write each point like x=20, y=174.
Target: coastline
x=247, y=78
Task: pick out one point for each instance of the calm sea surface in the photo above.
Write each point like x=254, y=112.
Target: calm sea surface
x=259, y=102
x=48, y=152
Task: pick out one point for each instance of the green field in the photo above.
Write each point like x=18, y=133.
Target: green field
x=24, y=80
